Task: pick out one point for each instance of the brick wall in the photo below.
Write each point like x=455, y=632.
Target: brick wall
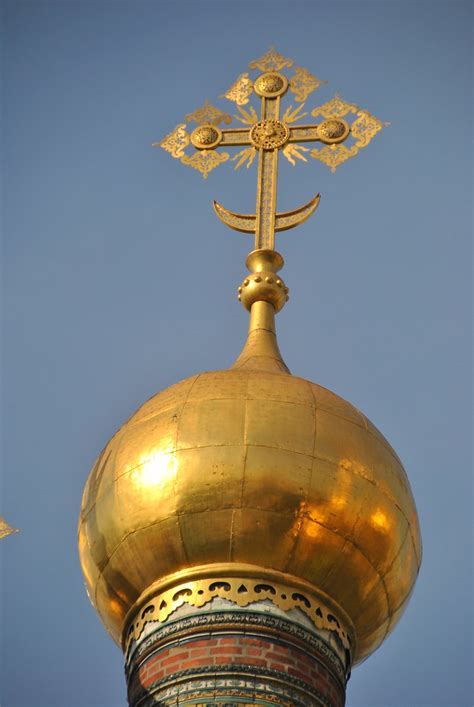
x=272, y=659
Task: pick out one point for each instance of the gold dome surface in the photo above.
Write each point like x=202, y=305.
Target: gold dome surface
x=252, y=465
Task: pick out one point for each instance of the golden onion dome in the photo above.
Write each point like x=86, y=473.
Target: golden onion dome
x=254, y=466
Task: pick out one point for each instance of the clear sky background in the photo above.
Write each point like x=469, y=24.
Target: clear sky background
x=119, y=280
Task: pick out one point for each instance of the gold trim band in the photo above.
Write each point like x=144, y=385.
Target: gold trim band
x=241, y=589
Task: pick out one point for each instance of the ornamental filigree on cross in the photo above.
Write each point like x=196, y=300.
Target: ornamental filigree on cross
x=342, y=132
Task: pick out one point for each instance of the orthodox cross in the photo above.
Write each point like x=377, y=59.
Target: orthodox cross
x=267, y=135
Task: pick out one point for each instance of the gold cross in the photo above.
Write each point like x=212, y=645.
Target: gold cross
x=267, y=135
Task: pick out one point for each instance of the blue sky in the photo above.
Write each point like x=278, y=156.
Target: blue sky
x=118, y=280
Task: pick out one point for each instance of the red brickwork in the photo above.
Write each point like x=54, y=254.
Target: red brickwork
x=266, y=653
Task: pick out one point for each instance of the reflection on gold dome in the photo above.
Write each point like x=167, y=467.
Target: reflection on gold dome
x=252, y=466
x=154, y=470
x=379, y=520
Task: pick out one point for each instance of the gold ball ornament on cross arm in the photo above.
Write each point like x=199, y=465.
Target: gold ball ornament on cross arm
x=206, y=137
x=271, y=84
x=333, y=130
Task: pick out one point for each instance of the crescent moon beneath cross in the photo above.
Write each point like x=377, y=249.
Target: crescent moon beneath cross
x=245, y=223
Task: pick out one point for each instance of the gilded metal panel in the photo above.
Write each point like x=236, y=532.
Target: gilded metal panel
x=415, y=530
x=276, y=533
x=148, y=444
x=397, y=614
x=90, y=568
x=352, y=595
x=146, y=494
x=209, y=478
x=101, y=475
x=401, y=576
x=270, y=386
x=373, y=611
x=103, y=527
x=154, y=549
x=110, y=607
x=367, y=644
x=384, y=442
x=336, y=497
x=281, y=425
x=330, y=402
x=268, y=486
x=207, y=536
x=219, y=385
x=171, y=397
x=346, y=444
x=381, y=528
x=316, y=551
x=205, y=423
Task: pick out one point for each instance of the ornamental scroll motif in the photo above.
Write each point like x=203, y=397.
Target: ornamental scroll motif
x=241, y=591
x=271, y=61
x=177, y=141
x=303, y=83
x=209, y=115
x=240, y=91
x=205, y=161
x=335, y=108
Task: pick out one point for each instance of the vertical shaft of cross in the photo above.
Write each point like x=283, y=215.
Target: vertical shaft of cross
x=267, y=183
